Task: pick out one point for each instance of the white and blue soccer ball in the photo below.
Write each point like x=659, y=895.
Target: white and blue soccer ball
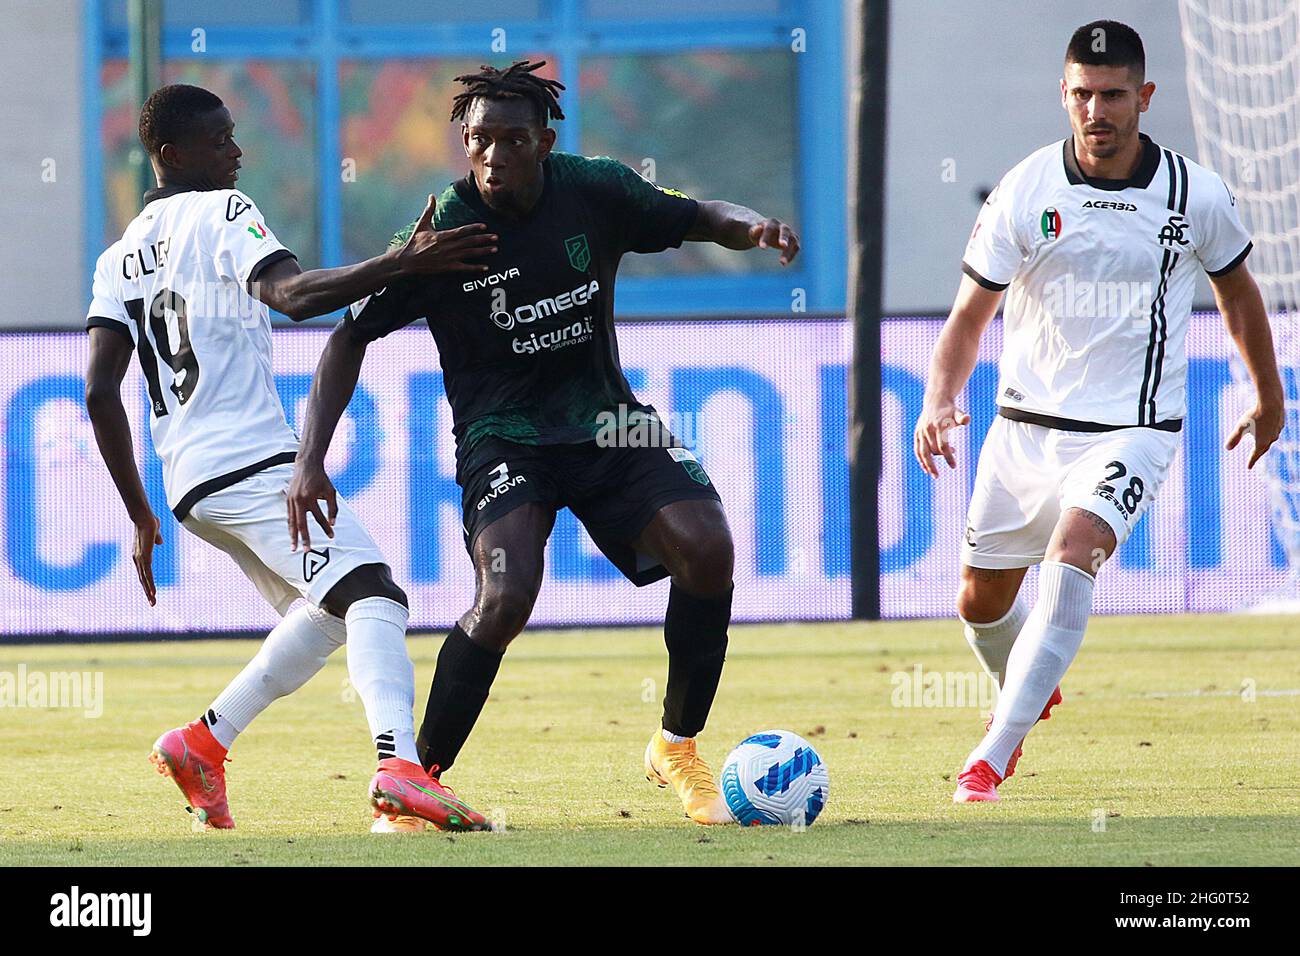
x=775, y=777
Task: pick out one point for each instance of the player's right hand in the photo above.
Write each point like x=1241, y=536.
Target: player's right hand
x=147, y=535
x=429, y=250
x=307, y=489
x=931, y=437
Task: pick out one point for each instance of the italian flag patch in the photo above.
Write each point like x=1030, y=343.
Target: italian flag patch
x=258, y=231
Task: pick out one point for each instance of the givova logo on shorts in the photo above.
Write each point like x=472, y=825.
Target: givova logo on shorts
x=500, y=484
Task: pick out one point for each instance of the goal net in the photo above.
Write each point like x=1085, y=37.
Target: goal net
x=1243, y=80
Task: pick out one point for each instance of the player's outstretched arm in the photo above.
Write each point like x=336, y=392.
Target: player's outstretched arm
x=739, y=227
x=302, y=295
x=110, y=354
x=331, y=390
x=951, y=364
x=1242, y=308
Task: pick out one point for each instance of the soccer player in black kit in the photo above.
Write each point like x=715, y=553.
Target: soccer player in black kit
x=531, y=370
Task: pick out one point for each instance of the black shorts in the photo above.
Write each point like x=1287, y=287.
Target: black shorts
x=613, y=491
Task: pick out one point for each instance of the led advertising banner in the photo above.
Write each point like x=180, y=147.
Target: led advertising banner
x=762, y=402
x=1205, y=545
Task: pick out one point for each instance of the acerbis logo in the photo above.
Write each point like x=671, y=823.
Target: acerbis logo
x=313, y=562
x=544, y=307
x=1103, y=204
x=495, y=279
x=236, y=207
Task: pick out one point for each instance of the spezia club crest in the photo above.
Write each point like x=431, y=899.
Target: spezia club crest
x=1051, y=223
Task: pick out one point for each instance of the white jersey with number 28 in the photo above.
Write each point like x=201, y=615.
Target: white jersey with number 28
x=1101, y=276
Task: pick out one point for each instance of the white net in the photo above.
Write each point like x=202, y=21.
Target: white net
x=1243, y=79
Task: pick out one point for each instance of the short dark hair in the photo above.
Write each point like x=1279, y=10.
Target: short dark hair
x=517, y=81
x=170, y=114
x=1107, y=43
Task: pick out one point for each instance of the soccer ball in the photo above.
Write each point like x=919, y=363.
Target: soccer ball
x=775, y=777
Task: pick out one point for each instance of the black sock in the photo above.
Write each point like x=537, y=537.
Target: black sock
x=460, y=688
x=695, y=630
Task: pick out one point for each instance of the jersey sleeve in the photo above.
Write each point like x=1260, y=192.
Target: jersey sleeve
x=1222, y=242
x=239, y=239
x=994, y=252
x=648, y=218
x=391, y=308
x=107, y=310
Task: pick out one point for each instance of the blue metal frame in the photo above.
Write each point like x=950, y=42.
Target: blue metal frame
x=326, y=38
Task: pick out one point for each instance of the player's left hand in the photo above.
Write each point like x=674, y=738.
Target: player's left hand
x=1264, y=424
x=774, y=234
x=147, y=535
x=430, y=250
x=307, y=489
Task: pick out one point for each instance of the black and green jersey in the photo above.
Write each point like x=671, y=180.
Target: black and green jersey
x=528, y=349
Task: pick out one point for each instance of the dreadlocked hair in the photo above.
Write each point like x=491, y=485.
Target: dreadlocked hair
x=515, y=82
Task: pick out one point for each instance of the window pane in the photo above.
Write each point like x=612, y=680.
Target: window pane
x=394, y=127
x=439, y=11
x=676, y=9
x=716, y=125
x=204, y=13
x=273, y=106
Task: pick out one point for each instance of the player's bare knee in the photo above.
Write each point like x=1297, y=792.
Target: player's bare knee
x=705, y=565
x=980, y=606
x=1082, y=539
x=500, y=615
x=367, y=581
x=986, y=595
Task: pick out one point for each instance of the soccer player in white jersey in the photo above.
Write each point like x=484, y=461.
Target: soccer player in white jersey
x=188, y=288
x=1098, y=239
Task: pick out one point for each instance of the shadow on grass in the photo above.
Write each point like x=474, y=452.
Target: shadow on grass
x=1137, y=841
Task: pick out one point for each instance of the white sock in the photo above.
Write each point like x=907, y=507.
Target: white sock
x=1038, y=660
x=992, y=642
x=673, y=738
x=383, y=674
x=294, y=651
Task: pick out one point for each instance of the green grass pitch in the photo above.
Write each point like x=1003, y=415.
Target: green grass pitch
x=1157, y=756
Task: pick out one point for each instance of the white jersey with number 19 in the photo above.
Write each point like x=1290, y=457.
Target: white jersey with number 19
x=1101, y=275
x=176, y=284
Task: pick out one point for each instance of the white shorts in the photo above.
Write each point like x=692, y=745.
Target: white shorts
x=1029, y=475
x=249, y=521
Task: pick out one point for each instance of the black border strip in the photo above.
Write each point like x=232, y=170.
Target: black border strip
x=1183, y=186
x=1075, y=425
x=1158, y=325
x=104, y=322
x=213, y=485
x=1237, y=260
x=986, y=283
x=270, y=259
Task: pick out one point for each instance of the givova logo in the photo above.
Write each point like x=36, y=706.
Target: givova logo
x=74, y=909
x=501, y=483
